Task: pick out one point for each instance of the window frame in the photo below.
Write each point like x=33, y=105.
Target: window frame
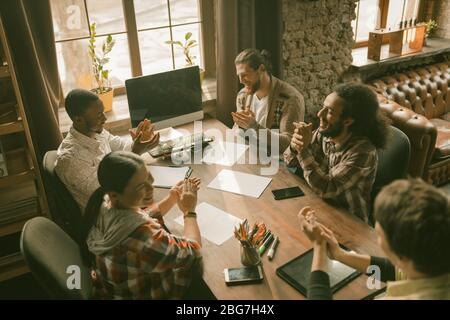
x=384, y=11
x=205, y=21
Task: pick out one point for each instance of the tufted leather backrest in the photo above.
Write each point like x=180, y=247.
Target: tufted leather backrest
x=420, y=131
x=424, y=90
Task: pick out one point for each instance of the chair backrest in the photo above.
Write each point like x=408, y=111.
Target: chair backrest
x=68, y=214
x=55, y=260
x=393, y=160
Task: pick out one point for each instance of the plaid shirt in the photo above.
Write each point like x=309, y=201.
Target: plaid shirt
x=343, y=174
x=150, y=264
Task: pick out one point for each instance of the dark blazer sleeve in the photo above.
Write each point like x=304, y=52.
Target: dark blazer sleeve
x=319, y=286
x=387, y=269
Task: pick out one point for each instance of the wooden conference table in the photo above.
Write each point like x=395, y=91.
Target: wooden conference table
x=281, y=218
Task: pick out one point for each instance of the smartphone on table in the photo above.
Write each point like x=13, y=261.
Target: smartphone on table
x=244, y=275
x=287, y=193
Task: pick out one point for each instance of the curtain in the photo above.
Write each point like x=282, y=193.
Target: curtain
x=29, y=31
x=243, y=24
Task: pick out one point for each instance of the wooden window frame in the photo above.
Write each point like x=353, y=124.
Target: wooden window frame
x=207, y=43
x=384, y=10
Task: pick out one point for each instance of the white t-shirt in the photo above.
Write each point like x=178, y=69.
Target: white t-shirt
x=260, y=108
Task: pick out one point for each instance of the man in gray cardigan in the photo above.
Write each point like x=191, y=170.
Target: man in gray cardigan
x=265, y=101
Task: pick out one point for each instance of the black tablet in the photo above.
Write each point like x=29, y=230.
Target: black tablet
x=297, y=272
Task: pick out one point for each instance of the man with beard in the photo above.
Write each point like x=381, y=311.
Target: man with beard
x=87, y=142
x=339, y=159
x=265, y=101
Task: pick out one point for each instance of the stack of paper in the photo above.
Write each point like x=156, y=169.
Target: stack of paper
x=169, y=134
x=240, y=183
x=215, y=225
x=224, y=153
x=167, y=177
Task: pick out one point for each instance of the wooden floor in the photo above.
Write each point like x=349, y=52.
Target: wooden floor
x=22, y=288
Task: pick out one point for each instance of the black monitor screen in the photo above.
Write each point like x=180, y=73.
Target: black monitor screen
x=164, y=95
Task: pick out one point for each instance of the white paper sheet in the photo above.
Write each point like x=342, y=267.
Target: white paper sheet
x=215, y=225
x=169, y=134
x=224, y=153
x=240, y=183
x=167, y=177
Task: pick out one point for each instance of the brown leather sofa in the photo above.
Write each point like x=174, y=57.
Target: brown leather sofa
x=418, y=102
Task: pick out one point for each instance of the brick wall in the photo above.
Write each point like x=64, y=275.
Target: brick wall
x=316, y=46
x=442, y=12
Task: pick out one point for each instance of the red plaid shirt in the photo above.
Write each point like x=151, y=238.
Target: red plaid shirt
x=150, y=264
x=343, y=174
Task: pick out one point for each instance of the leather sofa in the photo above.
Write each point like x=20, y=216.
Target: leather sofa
x=418, y=103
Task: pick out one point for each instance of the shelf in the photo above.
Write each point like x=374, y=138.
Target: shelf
x=15, y=226
x=8, y=104
x=11, y=127
x=22, y=192
x=16, y=178
x=4, y=72
x=13, y=269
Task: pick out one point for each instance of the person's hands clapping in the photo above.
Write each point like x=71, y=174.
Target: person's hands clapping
x=309, y=225
x=244, y=119
x=302, y=136
x=318, y=233
x=187, y=200
x=175, y=191
x=144, y=137
x=335, y=252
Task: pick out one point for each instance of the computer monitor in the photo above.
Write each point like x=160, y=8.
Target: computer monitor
x=168, y=99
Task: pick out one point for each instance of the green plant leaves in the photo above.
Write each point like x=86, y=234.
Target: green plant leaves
x=191, y=44
x=99, y=60
x=189, y=59
x=103, y=61
x=178, y=43
x=105, y=74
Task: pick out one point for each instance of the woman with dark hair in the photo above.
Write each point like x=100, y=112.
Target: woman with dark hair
x=132, y=255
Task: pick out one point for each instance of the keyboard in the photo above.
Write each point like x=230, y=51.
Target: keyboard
x=166, y=148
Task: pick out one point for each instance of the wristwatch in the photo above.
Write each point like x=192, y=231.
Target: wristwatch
x=190, y=214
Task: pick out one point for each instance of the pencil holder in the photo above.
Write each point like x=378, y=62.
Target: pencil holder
x=249, y=255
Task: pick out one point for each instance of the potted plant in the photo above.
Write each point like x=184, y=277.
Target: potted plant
x=430, y=28
x=101, y=74
x=187, y=46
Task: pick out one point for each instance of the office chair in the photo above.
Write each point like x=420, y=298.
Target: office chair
x=66, y=211
x=393, y=161
x=55, y=260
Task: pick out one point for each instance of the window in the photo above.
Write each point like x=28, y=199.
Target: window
x=140, y=29
x=375, y=14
